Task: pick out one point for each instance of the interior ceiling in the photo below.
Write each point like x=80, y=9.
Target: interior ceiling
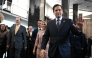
x=85, y=5
x=82, y=4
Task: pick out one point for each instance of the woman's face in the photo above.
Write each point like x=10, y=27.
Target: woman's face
x=43, y=25
x=2, y=27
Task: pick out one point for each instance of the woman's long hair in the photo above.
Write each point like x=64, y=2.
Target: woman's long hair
x=4, y=29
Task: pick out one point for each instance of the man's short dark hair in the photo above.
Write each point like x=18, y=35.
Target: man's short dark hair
x=39, y=20
x=56, y=6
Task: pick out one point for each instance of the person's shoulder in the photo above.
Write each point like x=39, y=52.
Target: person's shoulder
x=23, y=27
x=51, y=21
x=12, y=26
x=35, y=29
x=67, y=18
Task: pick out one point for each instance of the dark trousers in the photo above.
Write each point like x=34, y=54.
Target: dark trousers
x=23, y=53
x=2, y=50
x=12, y=53
x=15, y=53
x=34, y=55
x=8, y=53
x=89, y=47
x=57, y=54
x=30, y=50
x=76, y=53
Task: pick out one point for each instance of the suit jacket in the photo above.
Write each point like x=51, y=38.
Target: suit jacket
x=18, y=39
x=28, y=41
x=77, y=41
x=34, y=34
x=59, y=38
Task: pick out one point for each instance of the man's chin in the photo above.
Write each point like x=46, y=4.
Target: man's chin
x=58, y=16
x=17, y=23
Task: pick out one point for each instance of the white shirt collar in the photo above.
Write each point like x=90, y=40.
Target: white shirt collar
x=59, y=18
x=39, y=28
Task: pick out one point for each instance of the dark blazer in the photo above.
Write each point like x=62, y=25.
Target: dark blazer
x=28, y=41
x=19, y=37
x=77, y=41
x=59, y=37
x=34, y=34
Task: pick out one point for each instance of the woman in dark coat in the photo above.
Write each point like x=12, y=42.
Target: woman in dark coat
x=3, y=39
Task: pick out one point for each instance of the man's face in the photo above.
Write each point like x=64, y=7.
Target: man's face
x=58, y=11
x=30, y=28
x=18, y=20
x=39, y=24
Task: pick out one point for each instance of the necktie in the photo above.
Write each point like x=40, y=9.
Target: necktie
x=16, y=29
x=58, y=23
x=30, y=33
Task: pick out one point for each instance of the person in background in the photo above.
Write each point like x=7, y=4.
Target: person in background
x=16, y=39
x=3, y=39
x=77, y=45
x=89, y=45
x=34, y=33
x=7, y=28
x=30, y=43
x=39, y=41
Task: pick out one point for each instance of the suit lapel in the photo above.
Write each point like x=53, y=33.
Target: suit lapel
x=62, y=23
x=13, y=30
x=54, y=24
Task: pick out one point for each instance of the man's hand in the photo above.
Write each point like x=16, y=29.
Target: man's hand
x=7, y=46
x=30, y=39
x=33, y=51
x=79, y=24
x=25, y=48
x=42, y=53
x=5, y=32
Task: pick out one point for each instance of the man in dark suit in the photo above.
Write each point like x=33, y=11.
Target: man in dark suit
x=30, y=43
x=34, y=33
x=17, y=35
x=77, y=45
x=58, y=31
